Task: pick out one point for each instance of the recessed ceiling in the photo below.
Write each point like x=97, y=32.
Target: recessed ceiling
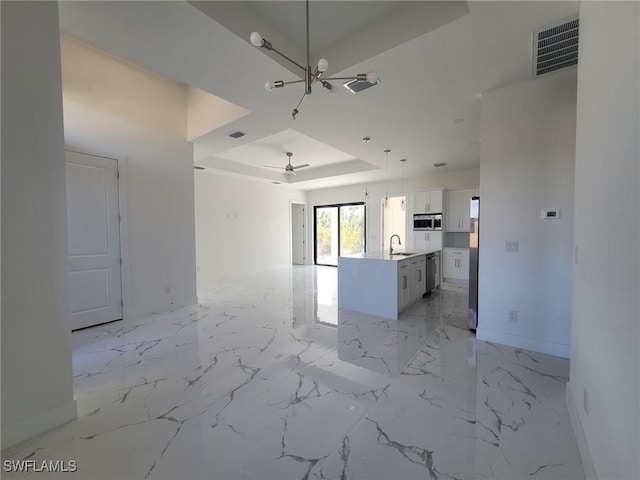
x=272, y=150
x=345, y=32
x=429, y=81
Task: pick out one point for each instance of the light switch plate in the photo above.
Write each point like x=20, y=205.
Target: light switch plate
x=511, y=246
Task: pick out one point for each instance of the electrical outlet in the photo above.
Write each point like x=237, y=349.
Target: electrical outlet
x=513, y=316
x=511, y=246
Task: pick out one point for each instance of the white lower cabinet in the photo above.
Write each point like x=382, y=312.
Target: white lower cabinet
x=411, y=280
x=456, y=264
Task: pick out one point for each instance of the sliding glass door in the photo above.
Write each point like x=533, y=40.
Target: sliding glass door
x=339, y=230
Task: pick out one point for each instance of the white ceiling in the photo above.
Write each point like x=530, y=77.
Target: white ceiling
x=426, y=108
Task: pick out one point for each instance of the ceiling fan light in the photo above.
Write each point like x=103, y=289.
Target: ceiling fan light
x=372, y=77
x=323, y=64
x=256, y=39
x=268, y=85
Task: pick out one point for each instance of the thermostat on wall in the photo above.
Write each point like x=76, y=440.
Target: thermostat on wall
x=550, y=213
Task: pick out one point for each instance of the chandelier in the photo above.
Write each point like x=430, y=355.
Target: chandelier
x=311, y=75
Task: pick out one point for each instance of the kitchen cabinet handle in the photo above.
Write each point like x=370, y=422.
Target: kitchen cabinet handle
x=419, y=275
x=404, y=282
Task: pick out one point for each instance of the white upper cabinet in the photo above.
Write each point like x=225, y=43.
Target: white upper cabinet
x=427, y=241
x=428, y=201
x=458, y=209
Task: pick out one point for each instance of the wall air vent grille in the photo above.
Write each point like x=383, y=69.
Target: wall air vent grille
x=237, y=134
x=198, y=167
x=556, y=47
x=356, y=86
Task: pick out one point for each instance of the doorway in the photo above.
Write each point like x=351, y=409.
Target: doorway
x=93, y=225
x=394, y=219
x=339, y=230
x=298, y=234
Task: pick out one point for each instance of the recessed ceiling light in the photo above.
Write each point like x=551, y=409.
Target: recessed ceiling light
x=440, y=164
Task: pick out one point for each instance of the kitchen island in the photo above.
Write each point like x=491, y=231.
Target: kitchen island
x=382, y=284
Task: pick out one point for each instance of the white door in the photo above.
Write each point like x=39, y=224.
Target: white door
x=95, y=291
x=298, y=232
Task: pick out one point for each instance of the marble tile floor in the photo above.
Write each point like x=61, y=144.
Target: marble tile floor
x=267, y=379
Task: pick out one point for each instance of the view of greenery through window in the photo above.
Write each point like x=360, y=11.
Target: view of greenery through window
x=351, y=230
x=351, y=225
x=323, y=233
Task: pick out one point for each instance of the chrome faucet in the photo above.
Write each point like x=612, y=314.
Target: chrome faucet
x=391, y=243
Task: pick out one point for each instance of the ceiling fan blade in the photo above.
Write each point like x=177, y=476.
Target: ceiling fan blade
x=301, y=166
x=271, y=166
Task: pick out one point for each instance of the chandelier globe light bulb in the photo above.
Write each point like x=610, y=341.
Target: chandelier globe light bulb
x=323, y=64
x=256, y=39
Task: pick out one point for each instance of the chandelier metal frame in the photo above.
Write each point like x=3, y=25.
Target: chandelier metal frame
x=311, y=75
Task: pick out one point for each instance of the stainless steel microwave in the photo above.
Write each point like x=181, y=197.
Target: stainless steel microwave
x=427, y=221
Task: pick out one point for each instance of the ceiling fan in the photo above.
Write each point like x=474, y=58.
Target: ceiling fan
x=290, y=169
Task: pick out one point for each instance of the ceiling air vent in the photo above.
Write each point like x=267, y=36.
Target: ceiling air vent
x=356, y=86
x=198, y=167
x=556, y=47
x=237, y=134
x=439, y=164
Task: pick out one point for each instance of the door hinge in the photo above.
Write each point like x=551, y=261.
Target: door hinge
x=120, y=260
x=118, y=174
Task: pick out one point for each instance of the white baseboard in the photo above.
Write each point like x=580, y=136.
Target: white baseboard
x=581, y=438
x=541, y=346
x=162, y=308
x=29, y=427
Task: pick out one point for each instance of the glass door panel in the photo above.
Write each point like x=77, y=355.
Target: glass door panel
x=351, y=230
x=326, y=235
x=339, y=230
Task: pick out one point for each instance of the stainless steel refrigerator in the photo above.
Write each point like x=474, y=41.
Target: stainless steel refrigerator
x=474, y=244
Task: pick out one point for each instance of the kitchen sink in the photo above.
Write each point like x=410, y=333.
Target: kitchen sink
x=404, y=254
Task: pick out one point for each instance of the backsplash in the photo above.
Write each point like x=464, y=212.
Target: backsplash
x=456, y=239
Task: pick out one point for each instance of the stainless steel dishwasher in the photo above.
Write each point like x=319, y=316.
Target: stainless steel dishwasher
x=430, y=282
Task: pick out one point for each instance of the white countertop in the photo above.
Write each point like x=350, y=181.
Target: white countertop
x=384, y=255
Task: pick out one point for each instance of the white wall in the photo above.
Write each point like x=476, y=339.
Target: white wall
x=242, y=226
x=206, y=112
x=606, y=312
x=527, y=164
x=377, y=190
x=116, y=109
x=37, y=389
